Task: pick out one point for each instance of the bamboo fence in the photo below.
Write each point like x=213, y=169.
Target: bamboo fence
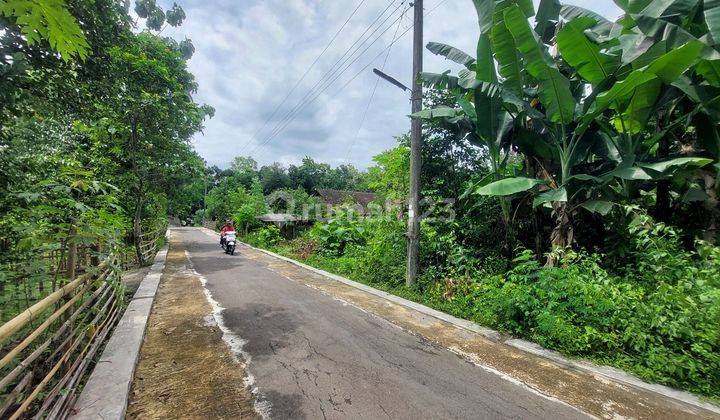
x=47, y=349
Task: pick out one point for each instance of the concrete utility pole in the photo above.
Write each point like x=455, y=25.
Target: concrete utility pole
x=413, y=233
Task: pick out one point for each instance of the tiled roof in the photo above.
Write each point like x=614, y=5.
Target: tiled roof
x=337, y=197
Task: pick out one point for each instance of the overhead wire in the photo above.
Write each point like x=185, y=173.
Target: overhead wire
x=372, y=95
x=387, y=47
x=328, y=77
x=314, y=94
x=307, y=71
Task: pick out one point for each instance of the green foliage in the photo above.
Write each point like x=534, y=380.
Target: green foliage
x=311, y=176
x=48, y=20
x=91, y=151
x=266, y=237
x=243, y=164
x=657, y=320
x=607, y=117
x=382, y=259
x=390, y=177
x=246, y=207
x=337, y=233
x=156, y=17
x=509, y=186
x=295, y=202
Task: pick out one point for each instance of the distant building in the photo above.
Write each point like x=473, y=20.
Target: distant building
x=287, y=223
x=337, y=198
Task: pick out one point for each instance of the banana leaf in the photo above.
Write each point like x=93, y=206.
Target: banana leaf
x=570, y=13
x=551, y=196
x=546, y=19
x=578, y=51
x=509, y=186
x=601, y=207
x=712, y=18
x=451, y=53
x=439, y=80
x=554, y=90
x=510, y=64
x=665, y=166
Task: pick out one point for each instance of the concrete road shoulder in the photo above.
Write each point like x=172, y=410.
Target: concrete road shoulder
x=106, y=393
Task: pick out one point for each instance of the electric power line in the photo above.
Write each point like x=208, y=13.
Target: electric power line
x=328, y=76
x=311, y=98
x=307, y=71
x=372, y=95
x=389, y=46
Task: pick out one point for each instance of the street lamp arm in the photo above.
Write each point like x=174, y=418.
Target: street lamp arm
x=391, y=79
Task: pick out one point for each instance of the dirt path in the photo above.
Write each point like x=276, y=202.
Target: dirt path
x=185, y=368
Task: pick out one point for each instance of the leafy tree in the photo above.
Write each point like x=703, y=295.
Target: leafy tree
x=449, y=159
x=344, y=177
x=390, y=177
x=125, y=114
x=247, y=206
x=274, y=177
x=154, y=116
x=584, y=118
x=156, y=17
x=47, y=20
x=310, y=175
x=243, y=164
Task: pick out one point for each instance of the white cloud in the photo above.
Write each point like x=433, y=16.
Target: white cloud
x=249, y=53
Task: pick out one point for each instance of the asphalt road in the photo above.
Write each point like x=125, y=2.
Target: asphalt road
x=313, y=356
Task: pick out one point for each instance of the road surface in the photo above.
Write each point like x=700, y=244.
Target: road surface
x=314, y=356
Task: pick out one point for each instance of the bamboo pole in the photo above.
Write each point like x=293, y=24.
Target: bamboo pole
x=80, y=366
x=74, y=369
x=72, y=253
x=10, y=377
x=41, y=328
x=12, y=396
x=17, y=323
x=78, y=329
x=26, y=403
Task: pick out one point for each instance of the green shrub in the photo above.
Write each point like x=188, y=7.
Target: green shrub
x=198, y=218
x=337, y=233
x=382, y=258
x=265, y=237
x=661, y=322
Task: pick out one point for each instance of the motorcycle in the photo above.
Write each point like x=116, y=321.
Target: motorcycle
x=228, y=242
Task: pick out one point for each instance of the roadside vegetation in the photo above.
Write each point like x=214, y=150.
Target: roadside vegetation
x=95, y=123
x=582, y=155
x=96, y=115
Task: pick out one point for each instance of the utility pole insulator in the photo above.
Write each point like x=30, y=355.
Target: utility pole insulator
x=413, y=234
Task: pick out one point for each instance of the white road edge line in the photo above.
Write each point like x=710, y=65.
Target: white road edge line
x=235, y=344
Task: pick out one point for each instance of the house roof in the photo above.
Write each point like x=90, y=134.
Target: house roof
x=278, y=217
x=337, y=197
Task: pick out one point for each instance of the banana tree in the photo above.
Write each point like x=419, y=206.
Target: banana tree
x=693, y=99
x=533, y=97
x=486, y=111
x=584, y=90
x=614, y=95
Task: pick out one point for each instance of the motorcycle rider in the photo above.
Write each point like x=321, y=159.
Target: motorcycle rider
x=227, y=227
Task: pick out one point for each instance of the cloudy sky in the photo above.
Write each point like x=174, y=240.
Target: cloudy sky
x=251, y=53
